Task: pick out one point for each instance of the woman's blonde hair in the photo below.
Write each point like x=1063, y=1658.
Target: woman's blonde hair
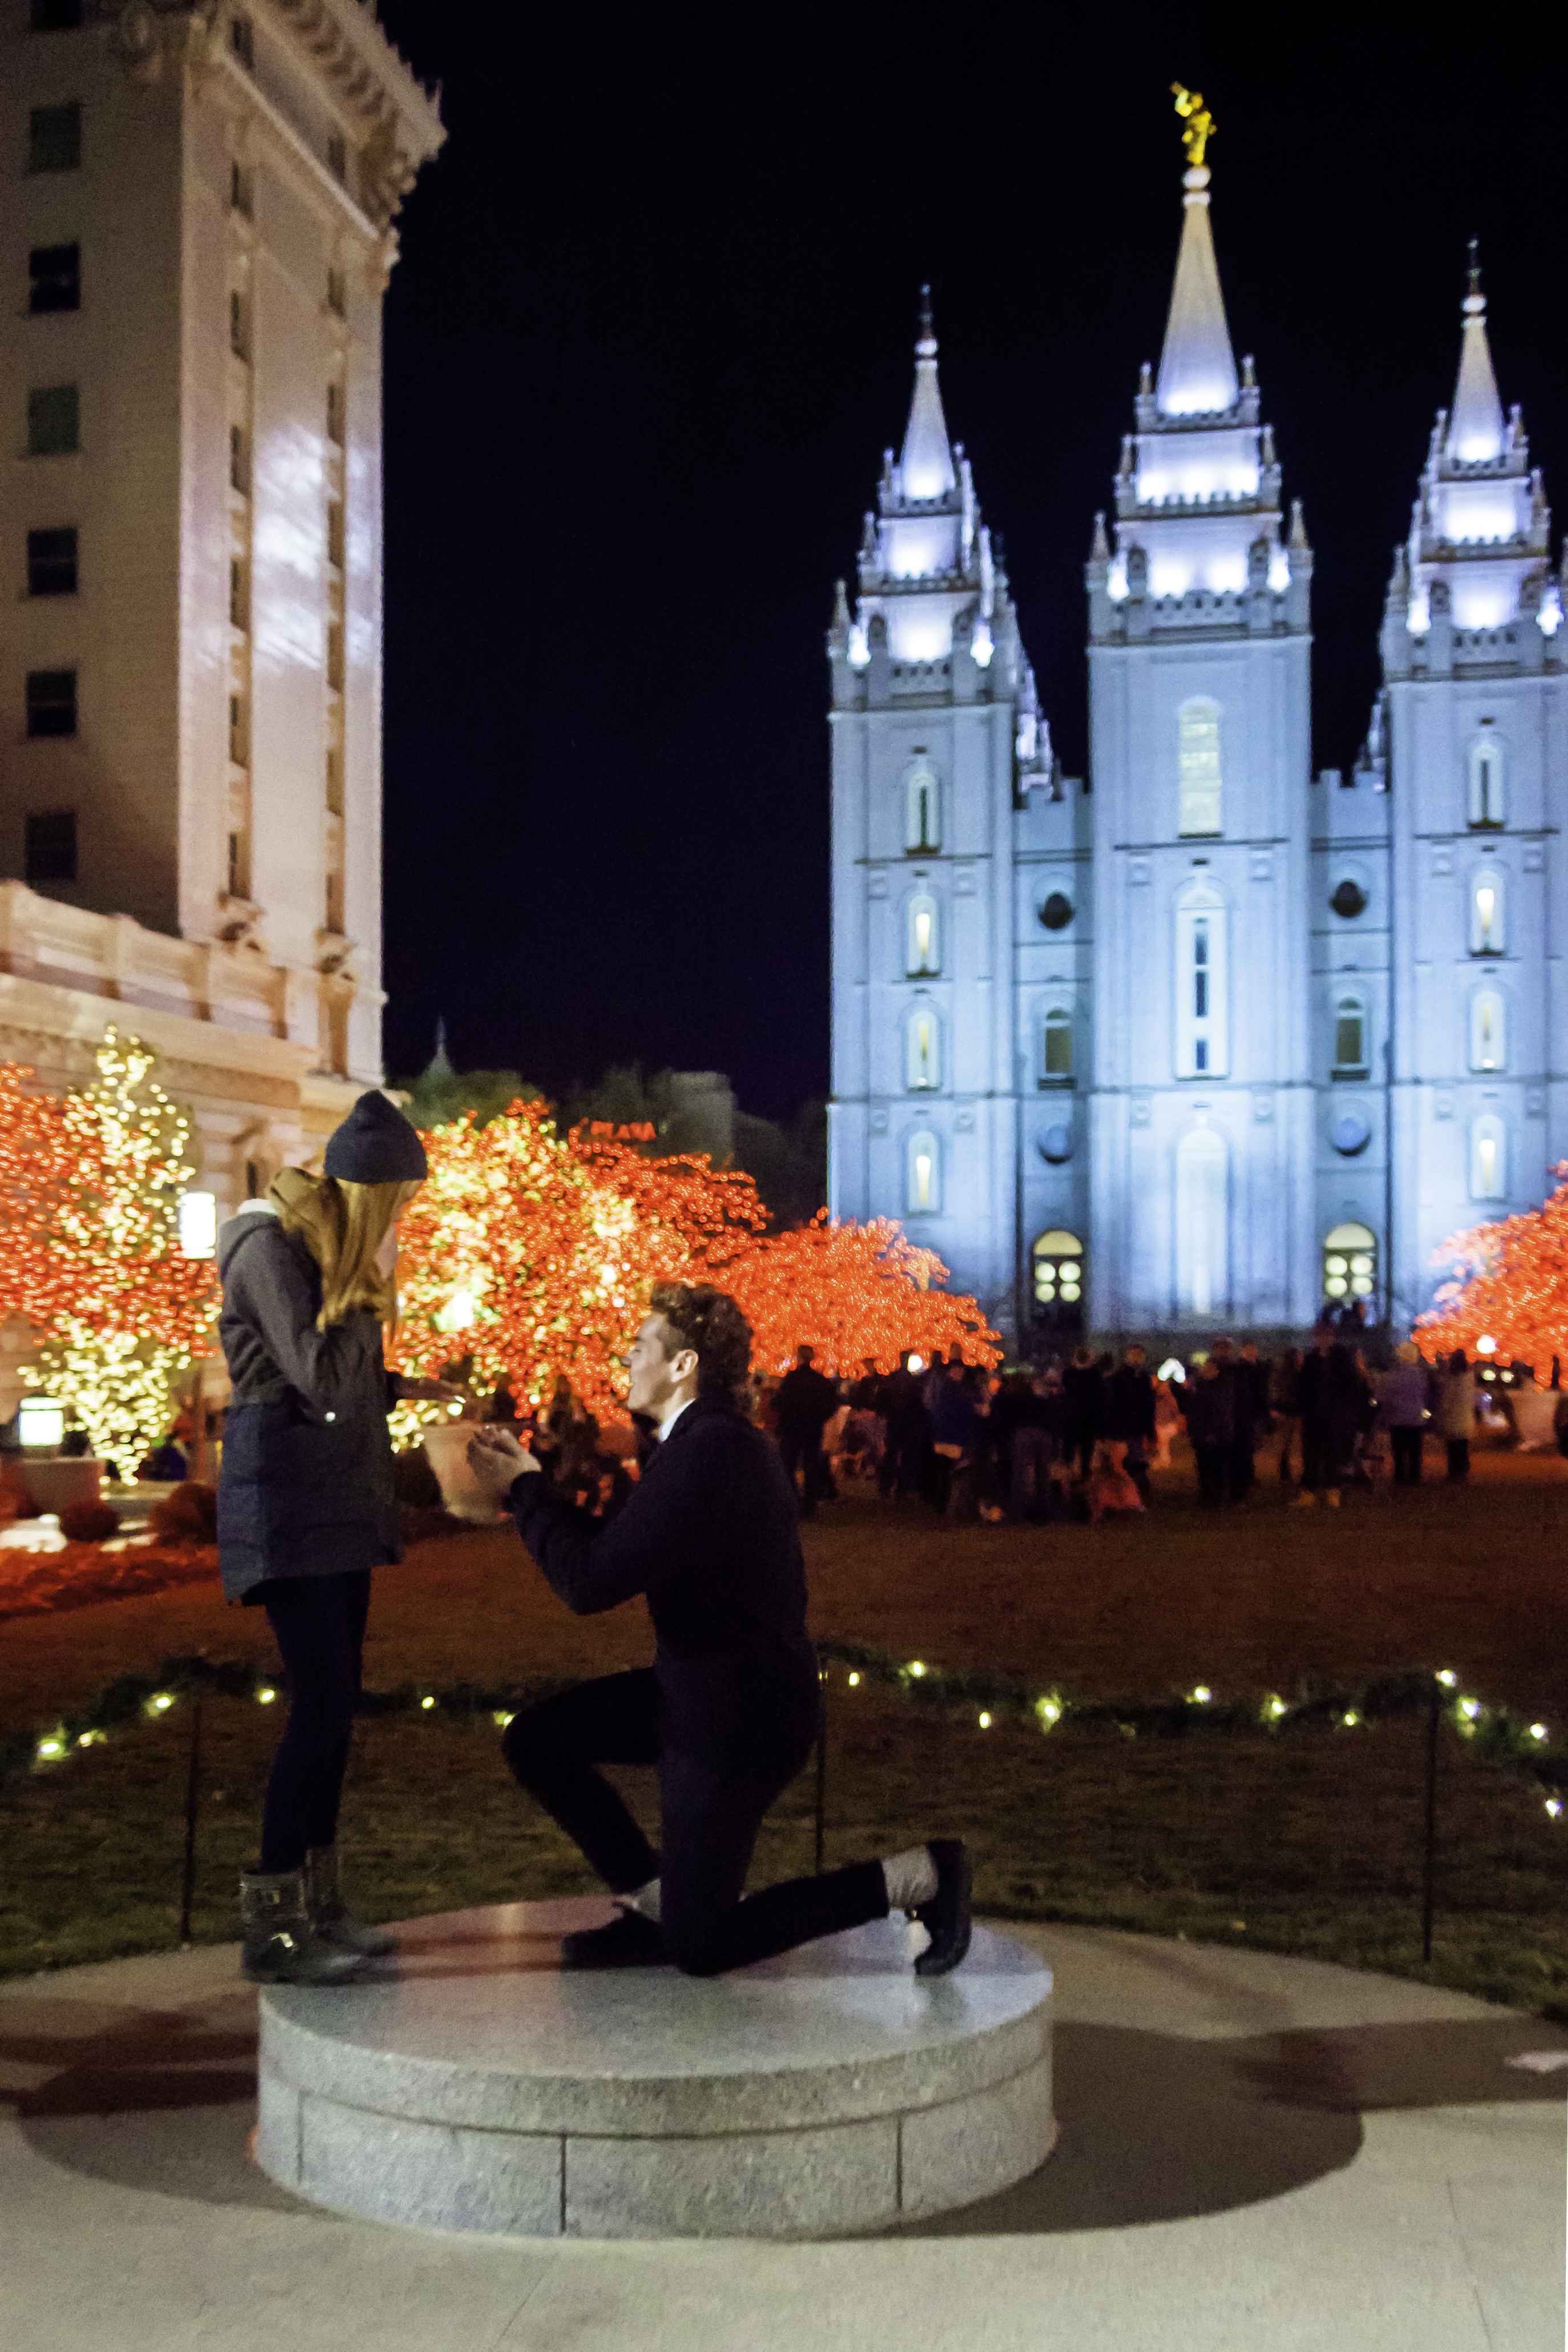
x=344, y=1226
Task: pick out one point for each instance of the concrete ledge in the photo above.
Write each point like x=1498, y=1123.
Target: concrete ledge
x=479, y=2089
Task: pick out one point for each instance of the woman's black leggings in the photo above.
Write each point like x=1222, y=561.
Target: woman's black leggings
x=319, y=1624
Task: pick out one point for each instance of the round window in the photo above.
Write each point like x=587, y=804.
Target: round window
x=1349, y=900
x=1056, y=1145
x=1057, y=911
x=1350, y=1135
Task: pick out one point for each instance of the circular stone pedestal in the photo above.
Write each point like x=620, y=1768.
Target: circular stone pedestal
x=473, y=2085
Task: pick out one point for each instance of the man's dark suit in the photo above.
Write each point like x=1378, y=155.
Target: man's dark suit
x=727, y=1711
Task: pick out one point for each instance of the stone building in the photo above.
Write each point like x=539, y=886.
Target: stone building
x=1201, y=1038
x=197, y=236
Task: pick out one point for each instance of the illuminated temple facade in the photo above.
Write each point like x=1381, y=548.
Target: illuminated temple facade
x=1205, y=1038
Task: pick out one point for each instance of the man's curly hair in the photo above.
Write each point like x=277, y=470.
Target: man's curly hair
x=707, y=1319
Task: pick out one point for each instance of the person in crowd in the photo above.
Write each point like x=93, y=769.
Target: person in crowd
x=1402, y=1406
x=901, y=1404
x=305, y=1501
x=1167, y=1419
x=1238, y=1466
x=1083, y=1389
x=1255, y=1377
x=1453, y=1413
x=1365, y=1450
x=1019, y=1424
x=729, y=1708
x=1211, y=1403
x=165, y=1462
x=1285, y=1404
x=1331, y=1399
x=957, y=1423
x=808, y=1401
x=865, y=1437
x=1129, y=1415
x=1534, y=1410
x=1109, y=1490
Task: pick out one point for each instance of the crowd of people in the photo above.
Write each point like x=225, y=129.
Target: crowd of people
x=1077, y=1439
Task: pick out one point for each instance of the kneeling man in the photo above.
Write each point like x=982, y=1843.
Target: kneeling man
x=729, y=1709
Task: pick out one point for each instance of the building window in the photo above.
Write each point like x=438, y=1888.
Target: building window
x=1059, y=1270
x=53, y=138
x=335, y=900
x=54, y=421
x=335, y=413
x=237, y=593
x=239, y=461
x=238, y=748
x=1202, y=1221
x=1202, y=1029
x=923, y=1175
x=51, y=702
x=335, y=656
x=335, y=541
x=242, y=42
x=1488, y=1159
x=338, y=155
x=50, y=845
x=239, y=324
x=51, y=563
x=338, y=293
x=55, y=271
x=1486, y=913
x=1348, y=900
x=923, y=809
x=334, y=781
x=923, y=951
x=922, y=1050
x=1056, y=1046
x=55, y=16
x=239, y=867
x=1197, y=760
x=241, y=190
x=1350, y=1263
x=1057, y=911
x=1485, y=783
x=1489, y=1032
x=1350, y=1035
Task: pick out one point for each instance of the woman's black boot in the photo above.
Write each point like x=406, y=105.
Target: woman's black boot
x=330, y=1916
x=280, y=1946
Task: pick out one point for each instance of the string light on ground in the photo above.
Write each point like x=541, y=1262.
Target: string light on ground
x=1448, y=1677
x=1202, y=1695
x=984, y=1721
x=161, y=1702
x=916, y=1668
x=264, y=1697
x=855, y=1682
x=1538, y=1731
x=1274, y=1708
x=427, y=1702
x=1350, y=1718
x=1554, y=1807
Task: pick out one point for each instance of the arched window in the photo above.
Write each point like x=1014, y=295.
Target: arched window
x=923, y=1175
x=1487, y=934
x=1056, y=1045
x=922, y=952
x=1061, y=1275
x=1202, y=1221
x=1486, y=782
x=922, y=808
x=1350, y=1033
x=1488, y=1159
x=1197, y=765
x=922, y=1048
x=1202, y=1029
x=1488, y=1031
x=1350, y=1263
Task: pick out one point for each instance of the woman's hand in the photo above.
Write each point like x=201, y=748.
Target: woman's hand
x=497, y=1461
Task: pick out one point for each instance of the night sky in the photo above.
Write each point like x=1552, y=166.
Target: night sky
x=650, y=333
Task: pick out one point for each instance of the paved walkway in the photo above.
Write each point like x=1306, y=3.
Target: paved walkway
x=1257, y=2155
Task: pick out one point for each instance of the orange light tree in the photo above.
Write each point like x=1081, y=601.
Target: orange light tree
x=124, y=1310
x=1509, y=1285
x=36, y=1161
x=535, y=1254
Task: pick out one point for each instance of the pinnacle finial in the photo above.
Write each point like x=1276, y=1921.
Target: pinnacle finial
x=1198, y=121
x=1475, y=266
x=925, y=344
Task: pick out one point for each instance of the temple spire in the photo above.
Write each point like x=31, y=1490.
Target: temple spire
x=925, y=466
x=1197, y=367
x=1475, y=426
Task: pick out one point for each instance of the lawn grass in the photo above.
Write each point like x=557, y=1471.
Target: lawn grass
x=1309, y=1843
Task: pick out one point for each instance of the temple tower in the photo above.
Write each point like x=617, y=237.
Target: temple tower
x=1202, y=1115
x=935, y=744
x=1471, y=743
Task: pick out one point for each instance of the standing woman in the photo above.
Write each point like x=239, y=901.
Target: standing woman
x=305, y=1501
x=1453, y=1413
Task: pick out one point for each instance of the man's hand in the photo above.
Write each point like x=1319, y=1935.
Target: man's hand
x=497, y=1460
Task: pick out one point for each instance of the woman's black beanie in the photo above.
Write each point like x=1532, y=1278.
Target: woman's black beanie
x=376, y=1145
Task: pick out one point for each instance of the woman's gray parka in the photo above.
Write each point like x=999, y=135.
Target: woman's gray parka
x=305, y=1486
